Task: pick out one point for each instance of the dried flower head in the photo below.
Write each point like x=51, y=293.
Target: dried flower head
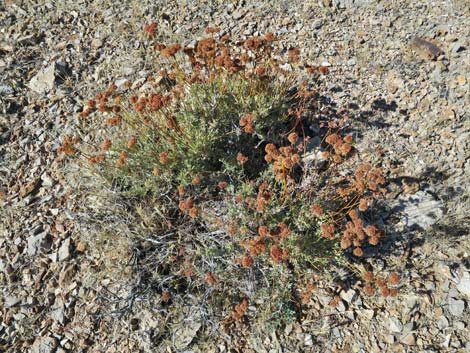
x=369, y=276
x=293, y=138
x=393, y=278
x=276, y=253
x=211, y=30
x=150, y=28
x=358, y=252
x=369, y=290
x=211, y=279
x=316, y=210
x=163, y=157
x=196, y=180
x=165, y=296
x=247, y=261
x=193, y=212
x=240, y=310
x=222, y=185
x=241, y=158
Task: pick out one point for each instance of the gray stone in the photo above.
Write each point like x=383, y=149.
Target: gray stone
x=308, y=341
x=5, y=89
x=36, y=242
x=408, y=339
x=464, y=284
x=186, y=333
x=44, y=80
x=64, y=250
x=96, y=43
x=456, y=306
x=395, y=325
x=419, y=209
x=457, y=48
x=11, y=301
x=348, y=295
x=44, y=345
x=442, y=323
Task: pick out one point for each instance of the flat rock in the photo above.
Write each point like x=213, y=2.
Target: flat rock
x=408, y=339
x=44, y=345
x=11, y=301
x=64, y=250
x=44, y=80
x=464, y=284
x=426, y=49
x=442, y=323
x=395, y=325
x=456, y=306
x=419, y=209
x=36, y=242
x=348, y=295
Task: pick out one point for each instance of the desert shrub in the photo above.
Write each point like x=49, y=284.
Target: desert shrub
x=213, y=158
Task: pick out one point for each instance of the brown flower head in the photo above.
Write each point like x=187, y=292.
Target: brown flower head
x=131, y=143
x=211, y=30
x=293, y=138
x=193, y=212
x=316, y=210
x=163, y=157
x=196, y=180
x=150, y=28
x=247, y=261
x=276, y=253
x=369, y=276
x=241, y=158
x=211, y=279
x=222, y=185
x=369, y=290
x=393, y=278
x=165, y=296
x=358, y=252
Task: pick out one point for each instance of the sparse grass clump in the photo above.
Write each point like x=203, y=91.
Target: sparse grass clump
x=210, y=156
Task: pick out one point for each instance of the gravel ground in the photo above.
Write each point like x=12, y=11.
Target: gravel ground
x=408, y=99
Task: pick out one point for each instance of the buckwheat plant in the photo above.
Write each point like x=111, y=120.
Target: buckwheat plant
x=208, y=156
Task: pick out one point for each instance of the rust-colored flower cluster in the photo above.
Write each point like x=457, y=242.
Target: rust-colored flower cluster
x=283, y=159
x=240, y=310
x=68, y=145
x=356, y=234
x=150, y=28
x=187, y=206
x=341, y=147
x=263, y=197
x=246, y=122
x=386, y=287
x=257, y=245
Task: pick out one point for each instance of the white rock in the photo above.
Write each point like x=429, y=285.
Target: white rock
x=35, y=243
x=44, y=345
x=395, y=325
x=44, y=80
x=348, y=295
x=11, y=301
x=308, y=341
x=442, y=323
x=64, y=250
x=456, y=306
x=464, y=284
x=409, y=339
x=419, y=209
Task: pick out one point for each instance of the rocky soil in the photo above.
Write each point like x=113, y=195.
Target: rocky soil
x=409, y=102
